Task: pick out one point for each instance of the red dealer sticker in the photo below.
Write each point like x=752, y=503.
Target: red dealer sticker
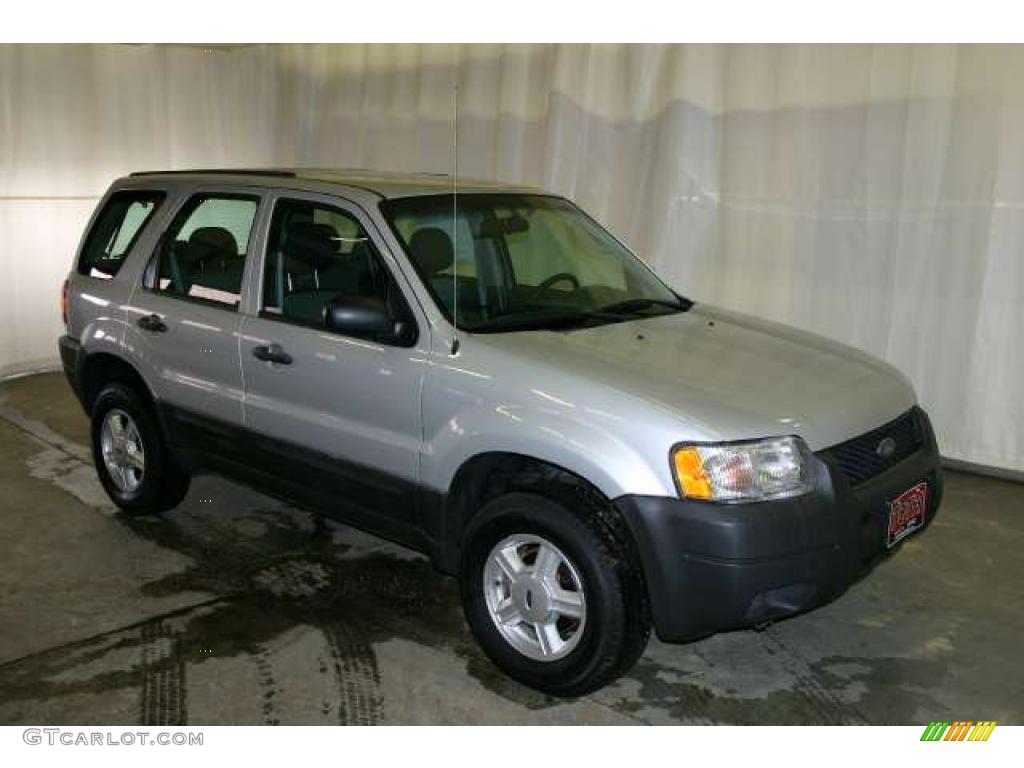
x=906, y=513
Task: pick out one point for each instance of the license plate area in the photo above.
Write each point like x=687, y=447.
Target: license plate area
x=906, y=513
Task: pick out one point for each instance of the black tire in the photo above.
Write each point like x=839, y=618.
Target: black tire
x=617, y=623
x=163, y=484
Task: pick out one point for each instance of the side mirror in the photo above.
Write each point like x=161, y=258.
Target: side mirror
x=364, y=316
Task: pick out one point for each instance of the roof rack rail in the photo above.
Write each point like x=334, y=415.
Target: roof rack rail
x=219, y=171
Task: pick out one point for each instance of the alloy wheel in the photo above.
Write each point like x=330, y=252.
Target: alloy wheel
x=535, y=597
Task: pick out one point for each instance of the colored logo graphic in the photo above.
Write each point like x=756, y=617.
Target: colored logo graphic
x=961, y=730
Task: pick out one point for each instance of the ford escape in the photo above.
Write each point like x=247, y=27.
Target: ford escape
x=493, y=379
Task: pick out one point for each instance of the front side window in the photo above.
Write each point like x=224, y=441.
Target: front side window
x=315, y=253
x=202, y=254
x=115, y=231
x=502, y=262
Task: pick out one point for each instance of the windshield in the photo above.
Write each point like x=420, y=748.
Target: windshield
x=519, y=262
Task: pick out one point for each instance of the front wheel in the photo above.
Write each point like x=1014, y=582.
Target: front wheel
x=550, y=594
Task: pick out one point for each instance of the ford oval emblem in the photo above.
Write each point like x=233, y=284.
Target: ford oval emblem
x=886, y=447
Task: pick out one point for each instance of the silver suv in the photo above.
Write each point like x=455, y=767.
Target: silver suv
x=493, y=379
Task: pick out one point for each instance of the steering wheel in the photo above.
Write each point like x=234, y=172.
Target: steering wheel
x=559, y=277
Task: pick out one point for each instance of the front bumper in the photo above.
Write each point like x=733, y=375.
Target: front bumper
x=712, y=567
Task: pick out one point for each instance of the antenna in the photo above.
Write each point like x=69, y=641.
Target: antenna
x=455, y=211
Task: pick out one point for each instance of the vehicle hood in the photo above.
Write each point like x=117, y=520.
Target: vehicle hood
x=725, y=375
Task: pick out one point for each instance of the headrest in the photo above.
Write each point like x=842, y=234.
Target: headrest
x=313, y=245
x=212, y=241
x=431, y=250
x=360, y=251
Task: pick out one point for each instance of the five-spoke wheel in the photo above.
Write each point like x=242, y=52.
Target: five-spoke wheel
x=122, y=449
x=134, y=464
x=535, y=596
x=550, y=591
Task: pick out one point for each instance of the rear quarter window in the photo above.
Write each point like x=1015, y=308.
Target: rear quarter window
x=117, y=227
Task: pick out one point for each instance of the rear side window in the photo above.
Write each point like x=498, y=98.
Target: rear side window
x=202, y=255
x=115, y=231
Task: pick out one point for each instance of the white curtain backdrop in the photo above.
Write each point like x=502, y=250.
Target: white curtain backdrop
x=874, y=194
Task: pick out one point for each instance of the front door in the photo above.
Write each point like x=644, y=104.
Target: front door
x=340, y=415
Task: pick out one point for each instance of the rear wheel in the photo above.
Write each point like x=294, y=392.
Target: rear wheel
x=132, y=461
x=551, y=595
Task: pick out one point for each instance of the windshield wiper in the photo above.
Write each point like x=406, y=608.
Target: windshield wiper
x=635, y=306
x=562, y=319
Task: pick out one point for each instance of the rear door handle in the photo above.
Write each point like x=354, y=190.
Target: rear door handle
x=152, y=323
x=272, y=353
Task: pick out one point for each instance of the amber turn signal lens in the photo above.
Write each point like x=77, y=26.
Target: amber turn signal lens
x=693, y=481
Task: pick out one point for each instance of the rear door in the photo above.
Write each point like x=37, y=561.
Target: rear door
x=184, y=319
x=337, y=415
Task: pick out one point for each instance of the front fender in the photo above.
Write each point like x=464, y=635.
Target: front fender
x=581, y=445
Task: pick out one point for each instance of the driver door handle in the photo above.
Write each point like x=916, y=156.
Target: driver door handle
x=272, y=353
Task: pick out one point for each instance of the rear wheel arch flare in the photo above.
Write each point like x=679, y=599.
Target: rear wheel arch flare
x=100, y=368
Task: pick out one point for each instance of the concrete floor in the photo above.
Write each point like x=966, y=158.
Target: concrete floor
x=236, y=608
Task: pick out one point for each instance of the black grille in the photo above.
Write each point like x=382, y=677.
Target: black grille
x=859, y=458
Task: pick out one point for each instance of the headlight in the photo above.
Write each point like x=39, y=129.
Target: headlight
x=775, y=468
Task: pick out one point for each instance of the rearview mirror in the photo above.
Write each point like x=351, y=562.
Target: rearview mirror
x=508, y=225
